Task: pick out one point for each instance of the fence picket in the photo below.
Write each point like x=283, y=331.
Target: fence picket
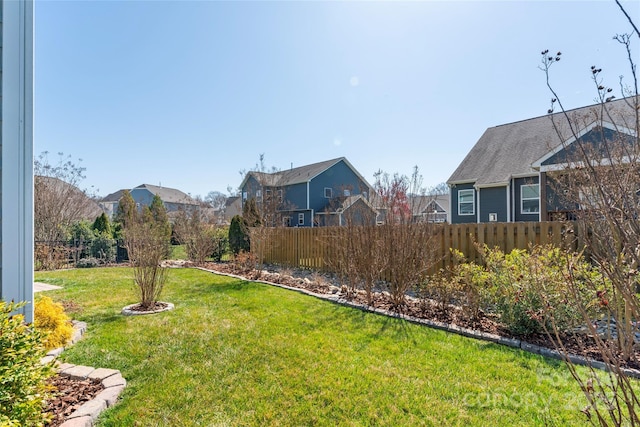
x=314, y=248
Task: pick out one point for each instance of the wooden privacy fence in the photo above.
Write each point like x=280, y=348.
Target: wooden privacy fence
x=315, y=247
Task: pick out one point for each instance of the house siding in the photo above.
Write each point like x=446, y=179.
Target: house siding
x=493, y=201
x=339, y=177
x=142, y=196
x=250, y=188
x=462, y=219
x=295, y=196
x=595, y=138
x=517, y=197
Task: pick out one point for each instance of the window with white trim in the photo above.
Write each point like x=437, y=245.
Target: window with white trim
x=530, y=199
x=346, y=192
x=258, y=194
x=280, y=196
x=300, y=219
x=267, y=194
x=328, y=192
x=286, y=221
x=244, y=195
x=466, y=202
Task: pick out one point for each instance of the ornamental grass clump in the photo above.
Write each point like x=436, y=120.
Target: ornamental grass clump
x=23, y=389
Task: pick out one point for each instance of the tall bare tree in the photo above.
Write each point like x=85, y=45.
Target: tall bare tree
x=58, y=203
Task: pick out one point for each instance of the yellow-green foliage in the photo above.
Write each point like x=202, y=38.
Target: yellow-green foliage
x=23, y=389
x=54, y=323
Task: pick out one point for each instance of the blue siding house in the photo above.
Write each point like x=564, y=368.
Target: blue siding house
x=174, y=200
x=507, y=175
x=312, y=195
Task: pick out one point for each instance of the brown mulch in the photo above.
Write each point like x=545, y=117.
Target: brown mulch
x=156, y=306
x=577, y=344
x=68, y=396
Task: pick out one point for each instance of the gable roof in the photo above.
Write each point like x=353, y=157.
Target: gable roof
x=510, y=150
x=299, y=175
x=422, y=204
x=168, y=195
x=113, y=197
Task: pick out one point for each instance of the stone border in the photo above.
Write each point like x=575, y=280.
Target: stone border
x=127, y=311
x=484, y=336
x=112, y=381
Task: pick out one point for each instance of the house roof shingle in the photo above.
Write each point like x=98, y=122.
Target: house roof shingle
x=510, y=150
x=297, y=175
x=168, y=195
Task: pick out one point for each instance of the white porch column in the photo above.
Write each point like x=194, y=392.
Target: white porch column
x=16, y=161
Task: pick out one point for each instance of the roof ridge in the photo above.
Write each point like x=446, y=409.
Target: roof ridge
x=562, y=112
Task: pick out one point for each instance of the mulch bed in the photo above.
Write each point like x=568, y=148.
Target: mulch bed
x=326, y=284
x=69, y=395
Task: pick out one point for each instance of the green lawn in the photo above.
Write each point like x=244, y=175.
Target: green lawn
x=238, y=353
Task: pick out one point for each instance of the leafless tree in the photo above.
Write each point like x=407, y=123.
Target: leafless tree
x=197, y=232
x=58, y=203
x=599, y=185
x=146, y=237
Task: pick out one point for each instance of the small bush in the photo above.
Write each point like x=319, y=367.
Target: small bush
x=463, y=284
x=530, y=288
x=53, y=322
x=103, y=247
x=88, y=263
x=23, y=389
x=245, y=262
x=239, y=235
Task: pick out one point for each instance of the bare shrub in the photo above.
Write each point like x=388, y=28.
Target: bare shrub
x=409, y=248
x=197, y=233
x=599, y=185
x=146, y=238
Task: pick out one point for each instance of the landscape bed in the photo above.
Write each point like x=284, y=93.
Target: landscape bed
x=234, y=352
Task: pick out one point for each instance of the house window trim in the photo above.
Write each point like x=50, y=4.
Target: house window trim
x=329, y=191
x=473, y=202
x=301, y=218
x=522, y=199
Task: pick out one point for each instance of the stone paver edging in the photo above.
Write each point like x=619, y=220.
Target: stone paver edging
x=510, y=342
x=129, y=311
x=112, y=381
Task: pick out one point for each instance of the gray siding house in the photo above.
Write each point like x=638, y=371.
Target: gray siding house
x=504, y=178
x=311, y=195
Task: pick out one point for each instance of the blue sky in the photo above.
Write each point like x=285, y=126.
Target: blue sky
x=188, y=93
